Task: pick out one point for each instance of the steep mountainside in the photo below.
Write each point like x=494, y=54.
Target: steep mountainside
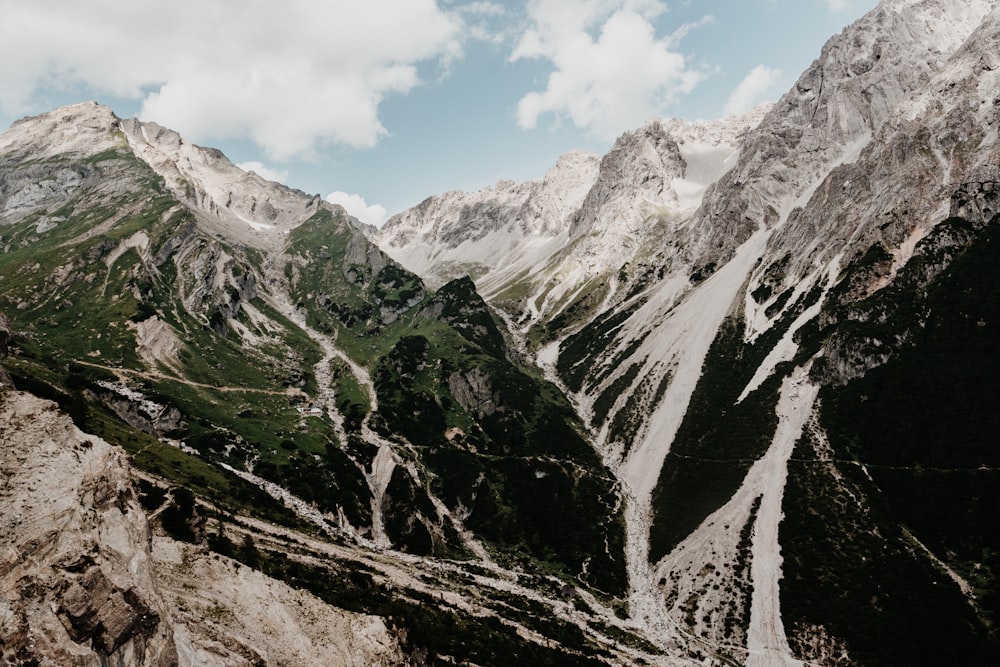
x=748, y=372
x=245, y=341
x=571, y=242
x=508, y=225
x=86, y=583
x=729, y=395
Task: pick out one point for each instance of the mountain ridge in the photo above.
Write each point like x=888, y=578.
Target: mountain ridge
x=782, y=214
x=759, y=431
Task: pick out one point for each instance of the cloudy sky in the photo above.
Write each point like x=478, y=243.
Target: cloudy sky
x=380, y=103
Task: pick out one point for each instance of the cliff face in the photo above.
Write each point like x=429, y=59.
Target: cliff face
x=495, y=229
x=728, y=348
x=586, y=233
x=189, y=313
x=84, y=581
x=76, y=573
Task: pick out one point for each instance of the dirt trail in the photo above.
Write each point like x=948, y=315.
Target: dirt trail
x=379, y=472
x=378, y=475
x=156, y=375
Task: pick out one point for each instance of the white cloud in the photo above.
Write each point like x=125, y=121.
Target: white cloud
x=838, y=5
x=760, y=82
x=611, y=70
x=357, y=206
x=265, y=172
x=484, y=21
x=291, y=76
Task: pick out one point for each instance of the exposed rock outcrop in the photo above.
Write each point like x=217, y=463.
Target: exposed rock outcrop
x=239, y=617
x=534, y=246
x=235, y=202
x=76, y=574
x=79, y=584
x=473, y=391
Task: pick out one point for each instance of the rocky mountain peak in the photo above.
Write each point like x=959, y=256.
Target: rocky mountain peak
x=606, y=208
x=766, y=436
x=863, y=77
x=504, y=222
x=728, y=131
x=59, y=147
x=259, y=212
x=77, y=129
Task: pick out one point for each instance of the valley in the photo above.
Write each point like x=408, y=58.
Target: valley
x=726, y=395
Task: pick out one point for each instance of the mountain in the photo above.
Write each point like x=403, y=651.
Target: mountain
x=726, y=395
x=245, y=342
x=574, y=235
x=728, y=363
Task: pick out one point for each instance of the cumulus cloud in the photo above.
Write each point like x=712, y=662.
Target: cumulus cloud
x=611, y=69
x=290, y=76
x=357, y=206
x=755, y=87
x=265, y=172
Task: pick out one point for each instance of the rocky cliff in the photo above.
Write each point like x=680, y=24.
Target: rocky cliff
x=728, y=358
x=571, y=238
x=86, y=582
x=77, y=574
x=255, y=353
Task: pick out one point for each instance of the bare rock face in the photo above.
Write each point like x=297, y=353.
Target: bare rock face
x=233, y=201
x=863, y=78
x=78, y=129
x=587, y=217
x=508, y=223
x=45, y=142
x=474, y=391
x=239, y=617
x=75, y=569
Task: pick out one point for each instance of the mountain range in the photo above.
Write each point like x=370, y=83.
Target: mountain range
x=725, y=395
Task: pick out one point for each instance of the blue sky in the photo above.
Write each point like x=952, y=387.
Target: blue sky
x=385, y=102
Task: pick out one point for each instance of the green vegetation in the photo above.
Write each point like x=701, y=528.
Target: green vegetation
x=578, y=352
x=484, y=434
x=352, y=399
x=923, y=423
x=147, y=452
x=499, y=443
x=614, y=389
x=487, y=435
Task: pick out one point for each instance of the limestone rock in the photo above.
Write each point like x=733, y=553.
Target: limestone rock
x=76, y=574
